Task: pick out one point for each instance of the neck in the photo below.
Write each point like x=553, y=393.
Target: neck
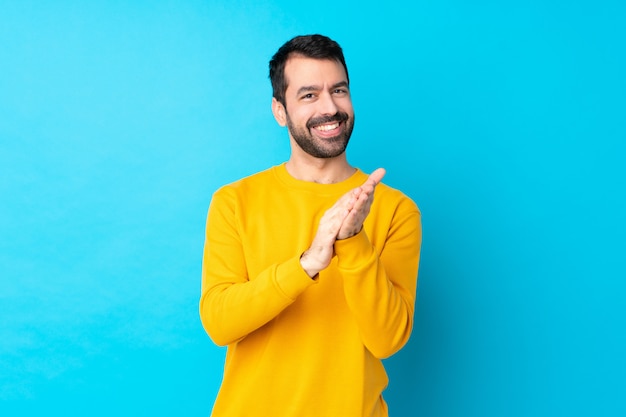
x=319, y=170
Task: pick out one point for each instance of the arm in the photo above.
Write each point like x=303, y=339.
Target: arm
x=232, y=304
x=380, y=283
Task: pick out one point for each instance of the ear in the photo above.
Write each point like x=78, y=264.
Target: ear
x=279, y=111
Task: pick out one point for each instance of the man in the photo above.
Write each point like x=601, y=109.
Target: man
x=307, y=278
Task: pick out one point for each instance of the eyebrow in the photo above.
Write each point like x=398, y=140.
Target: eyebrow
x=308, y=88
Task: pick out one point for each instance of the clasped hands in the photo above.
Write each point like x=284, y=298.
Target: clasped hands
x=343, y=220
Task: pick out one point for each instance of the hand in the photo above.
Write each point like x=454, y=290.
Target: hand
x=353, y=223
x=343, y=220
x=321, y=251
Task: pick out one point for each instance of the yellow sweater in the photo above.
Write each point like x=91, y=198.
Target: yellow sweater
x=299, y=347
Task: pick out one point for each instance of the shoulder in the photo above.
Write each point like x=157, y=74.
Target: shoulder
x=245, y=192
x=389, y=197
x=247, y=184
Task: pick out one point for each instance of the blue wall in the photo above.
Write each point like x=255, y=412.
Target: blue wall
x=504, y=122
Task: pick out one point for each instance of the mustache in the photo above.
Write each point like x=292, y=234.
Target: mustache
x=337, y=117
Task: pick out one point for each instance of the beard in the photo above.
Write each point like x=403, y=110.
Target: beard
x=322, y=148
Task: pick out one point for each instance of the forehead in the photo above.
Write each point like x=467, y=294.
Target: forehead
x=303, y=71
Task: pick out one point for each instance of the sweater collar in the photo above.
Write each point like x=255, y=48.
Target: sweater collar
x=339, y=188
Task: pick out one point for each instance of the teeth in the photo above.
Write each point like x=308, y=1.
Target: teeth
x=327, y=127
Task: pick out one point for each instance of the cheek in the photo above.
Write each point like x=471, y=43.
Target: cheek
x=300, y=116
x=346, y=106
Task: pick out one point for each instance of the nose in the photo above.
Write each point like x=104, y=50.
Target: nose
x=326, y=104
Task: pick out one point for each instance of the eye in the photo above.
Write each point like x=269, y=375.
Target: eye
x=308, y=96
x=340, y=91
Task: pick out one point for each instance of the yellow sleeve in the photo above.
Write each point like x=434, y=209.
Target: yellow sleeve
x=380, y=283
x=233, y=304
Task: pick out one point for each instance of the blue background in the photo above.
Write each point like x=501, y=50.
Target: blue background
x=504, y=121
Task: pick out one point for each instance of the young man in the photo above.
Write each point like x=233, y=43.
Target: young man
x=307, y=278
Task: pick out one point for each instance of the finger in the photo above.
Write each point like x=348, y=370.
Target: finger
x=362, y=200
x=373, y=180
x=333, y=217
x=377, y=176
x=359, y=211
x=351, y=226
x=331, y=222
x=362, y=206
x=347, y=200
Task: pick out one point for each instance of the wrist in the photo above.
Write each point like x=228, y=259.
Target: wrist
x=307, y=266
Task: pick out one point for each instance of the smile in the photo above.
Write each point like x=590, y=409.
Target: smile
x=325, y=128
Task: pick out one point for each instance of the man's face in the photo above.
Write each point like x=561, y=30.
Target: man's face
x=319, y=112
